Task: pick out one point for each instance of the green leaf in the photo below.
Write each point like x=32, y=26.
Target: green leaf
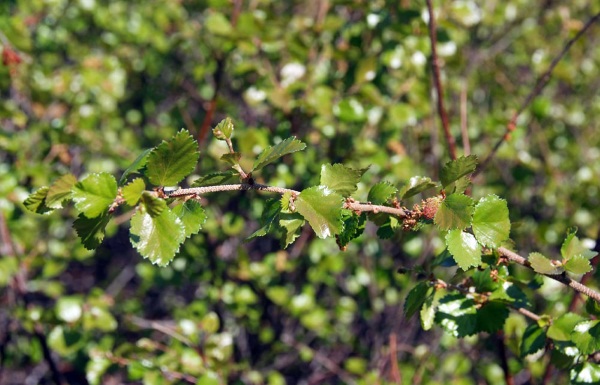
x=60, y=190
x=340, y=178
x=137, y=164
x=94, y=194
x=457, y=315
x=585, y=373
x=192, y=215
x=454, y=212
x=592, y=307
x=456, y=169
x=573, y=247
x=563, y=326
x=91, y=230
x=273, y=153
x=586, y=336
x=534, y=339
x=217, y=178
x=381, y=192
x=578, y=264
x=36, y=201
x=157, y=238
x=543, y=265
x=322, y=208
x=291, y=223
x=388, y=229
x=415, y=185
x=224, y=130
x=172, y=160
x=491, y=224
x=491, y=316
x=427, y=313
x=268, y=218
x=133, y=191
x=354, y=225
x=416, y=298
x=464, y=248
x=232, y=158
x=154, y=206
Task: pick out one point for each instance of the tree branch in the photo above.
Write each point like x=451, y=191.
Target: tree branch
x=541, y=82
x=562, y=278
x=438, y=83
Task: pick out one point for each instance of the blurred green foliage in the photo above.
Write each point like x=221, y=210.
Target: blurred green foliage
x=94, y=82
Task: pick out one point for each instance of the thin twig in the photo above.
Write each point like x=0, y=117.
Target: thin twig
x=541, y=82
x=562, y=278
x=438, y=83
x=463, y=120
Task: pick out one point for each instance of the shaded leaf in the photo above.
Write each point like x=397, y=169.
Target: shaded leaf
x=271, y=154
x=491, y=224
x=172, y=160
x=132, y=192
x=94, y=194
x=388, y=229
x=416, y=298
x=322, y=208
x=464, y=248
x=154, y=205
x=415, y=185
x=137, y=164
x=454, y=212
x=217, y=178
x=543, y=265
x=381, y=192
x=354, y=225
x=158, y=238
x=491, y=316
x=458, y=168
x=291, y=224
x=534, y=339
x=36, y=201
x=192, y=215
x=60, y=190
x=592, y=307
x=268, y=218
x=340, y=178
x=232, y=158
x=91, y=230
x=586, y=336
x=224, y=130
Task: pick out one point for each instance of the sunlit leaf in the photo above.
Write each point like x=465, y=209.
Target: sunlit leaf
x=578, y=264
x=585, y=373
x=154, y=205
x=457, y=315
x=491, y=224
x=291, y=223
x=572, y=247
x=543, y=265
x=158, y=238
x=60, y=190
x=91, y=230
x=172, y=160
x=132, y=192
x=192, y=215
x=454, y=212
x=137, y=165
x=586, y=336
x=415, y=185
x=271, y=154
x=563, y=326
x=224, y=130
x=340, y=178
x=322, y=208
x=456, y=169
x=94, y=194
x=464, y=248
x=381, y=192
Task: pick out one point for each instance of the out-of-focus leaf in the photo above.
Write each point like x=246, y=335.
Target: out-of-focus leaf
x=36, y=201
x=534, y=339
x=491, y=224
x=415, y=299
x=172, y=160
x=491, y=316
x=271, y=154
x=60, y=190
x=91, y=230
x=231, y=158
x=464, y=248
x=585, y=373
x=340, y=178
x=69, y=309
x=381, y=192
x=322, y=208
x=137, y=164
x=456, y=169
x=157, y=238
x=563, y=326
x=192, y=215
x=573, y=247
x=457, y=315
x=94, y=194
x=586, y=336
x=132, y=192
x=268, y=218
x=415, y=185
x=217, y=178
x=454, y=212
x=592, y=307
